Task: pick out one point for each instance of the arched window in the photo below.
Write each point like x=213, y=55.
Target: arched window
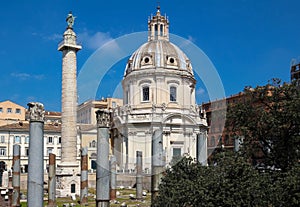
x=145, y=93
x=173, y=93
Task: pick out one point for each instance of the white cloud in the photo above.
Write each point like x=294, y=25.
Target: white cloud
x=26, y=76
x=187, y=42
x=94, y=41
x=54, y=37
x=86, y=38
x=38, y=77
x=14, y=97
x=200, y=91
x=49, y=37
x=30, y=98
x=192, y=39
x=21, y=76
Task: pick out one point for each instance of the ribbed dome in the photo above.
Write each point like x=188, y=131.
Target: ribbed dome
x=158, y=54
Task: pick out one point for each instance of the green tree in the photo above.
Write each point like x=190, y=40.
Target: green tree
x=268, y=119
x=231, y=182
x=290, y=188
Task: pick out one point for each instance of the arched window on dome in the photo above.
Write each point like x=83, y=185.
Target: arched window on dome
x=173, y=94
x=146, y=60
x=171, y=61
x=145, y=93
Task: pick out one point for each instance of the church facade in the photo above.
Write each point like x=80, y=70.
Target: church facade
x=158, y=93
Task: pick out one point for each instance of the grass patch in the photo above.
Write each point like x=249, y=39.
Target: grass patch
x=123, y=197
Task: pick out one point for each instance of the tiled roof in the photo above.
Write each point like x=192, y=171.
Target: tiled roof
x=24, y=126
x=52, y=113
x=48, y=113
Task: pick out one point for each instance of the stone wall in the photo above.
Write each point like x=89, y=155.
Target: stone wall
x=126, y=180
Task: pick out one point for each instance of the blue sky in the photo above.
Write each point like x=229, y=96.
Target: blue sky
x=248, y=41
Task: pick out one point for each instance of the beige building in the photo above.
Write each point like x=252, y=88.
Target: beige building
x=87, y=125
x=14, y=129
x=86, y=112
x=11, y=112
x=18, y=133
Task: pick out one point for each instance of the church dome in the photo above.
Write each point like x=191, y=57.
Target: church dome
x=158, y=52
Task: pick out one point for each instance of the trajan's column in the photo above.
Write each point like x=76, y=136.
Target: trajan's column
x=68, y=169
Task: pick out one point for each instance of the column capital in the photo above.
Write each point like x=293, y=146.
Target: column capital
x=103, y=118
x=36, y=111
